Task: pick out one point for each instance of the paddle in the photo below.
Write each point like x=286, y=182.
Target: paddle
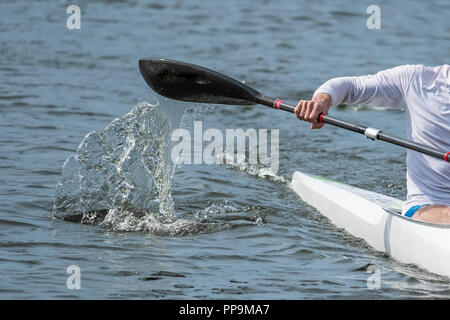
x=187, y=82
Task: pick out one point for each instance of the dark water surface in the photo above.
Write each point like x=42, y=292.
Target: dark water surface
x=57, y=85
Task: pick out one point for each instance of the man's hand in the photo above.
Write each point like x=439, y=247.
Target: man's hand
x=309, y=110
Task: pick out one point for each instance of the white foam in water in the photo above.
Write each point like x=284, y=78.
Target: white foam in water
x=252, y=169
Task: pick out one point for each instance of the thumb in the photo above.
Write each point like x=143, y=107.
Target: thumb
x=317, y=125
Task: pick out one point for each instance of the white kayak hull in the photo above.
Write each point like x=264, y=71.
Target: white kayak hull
x=375, y=218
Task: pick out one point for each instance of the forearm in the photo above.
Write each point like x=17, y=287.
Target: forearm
x=384, y=89
x=335, y=91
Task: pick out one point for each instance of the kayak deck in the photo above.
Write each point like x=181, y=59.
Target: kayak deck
x=376, y=218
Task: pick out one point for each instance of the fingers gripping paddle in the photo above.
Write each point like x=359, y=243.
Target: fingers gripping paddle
x=188, y=82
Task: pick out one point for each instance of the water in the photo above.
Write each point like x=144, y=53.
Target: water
x=58, y=85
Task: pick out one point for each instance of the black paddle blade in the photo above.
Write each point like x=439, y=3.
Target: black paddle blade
x=188, y=82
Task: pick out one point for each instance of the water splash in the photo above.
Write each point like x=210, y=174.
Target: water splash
x=121, y=177
x=120, y=174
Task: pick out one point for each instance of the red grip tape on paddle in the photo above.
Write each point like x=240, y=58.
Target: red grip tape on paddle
x=446, y=157
x=320, y=117
x=277, y=103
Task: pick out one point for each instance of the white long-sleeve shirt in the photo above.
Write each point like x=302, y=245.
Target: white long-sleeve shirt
x=425, y=94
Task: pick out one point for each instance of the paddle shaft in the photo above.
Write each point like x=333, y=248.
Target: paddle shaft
x=371, y=133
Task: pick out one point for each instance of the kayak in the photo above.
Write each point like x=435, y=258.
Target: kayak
x=377, y=219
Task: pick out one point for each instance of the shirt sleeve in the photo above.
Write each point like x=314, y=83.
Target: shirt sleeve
x=386, y=88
